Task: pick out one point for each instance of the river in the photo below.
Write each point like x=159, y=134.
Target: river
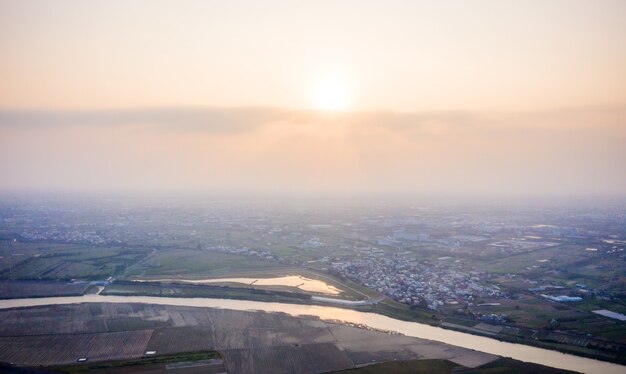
x=484, y=344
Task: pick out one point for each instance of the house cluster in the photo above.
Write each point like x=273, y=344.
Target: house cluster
x=417, y=282
x=66, y=236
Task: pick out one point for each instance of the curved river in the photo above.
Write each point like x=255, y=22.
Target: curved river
x=479, y=343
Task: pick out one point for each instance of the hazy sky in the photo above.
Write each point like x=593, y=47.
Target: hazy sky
x=522, y=97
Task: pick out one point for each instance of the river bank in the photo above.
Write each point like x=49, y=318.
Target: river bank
x=488, y=345
x=384, y=307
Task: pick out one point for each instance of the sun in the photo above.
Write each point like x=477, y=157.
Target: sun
x=331, y=94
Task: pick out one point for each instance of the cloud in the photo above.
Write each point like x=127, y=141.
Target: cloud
x=216, y=120
x=241, y=119
x=577, y=150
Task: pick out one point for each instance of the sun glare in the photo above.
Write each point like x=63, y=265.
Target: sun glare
x=331, y=95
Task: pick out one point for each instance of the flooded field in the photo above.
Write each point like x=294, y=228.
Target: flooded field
x=297, y=281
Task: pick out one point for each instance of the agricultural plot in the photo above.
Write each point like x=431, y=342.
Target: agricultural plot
x=23, y=289
x=65, y=349
x=186, y=262
x=532, y=312
x=181, y=339
x=239, y=360
x=53, y=262
x=58, y=319
x=251, y=342
x=80, y=319
x=133, y=323
x=266, y=337
x=309, y=358
x=182, y=363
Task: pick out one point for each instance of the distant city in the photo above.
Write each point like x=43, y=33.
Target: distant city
x=438, y=257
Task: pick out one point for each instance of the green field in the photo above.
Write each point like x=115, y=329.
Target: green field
x=187, y=262
x=51, y=261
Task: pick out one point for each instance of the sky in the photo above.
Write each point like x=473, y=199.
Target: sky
x=350, y=97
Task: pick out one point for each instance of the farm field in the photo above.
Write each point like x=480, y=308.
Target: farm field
x=46, y=350
x=53, y=261
x=188, y=262
x=249, y=341
x=182, y=339
x=182, y=363
x=22, y=289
